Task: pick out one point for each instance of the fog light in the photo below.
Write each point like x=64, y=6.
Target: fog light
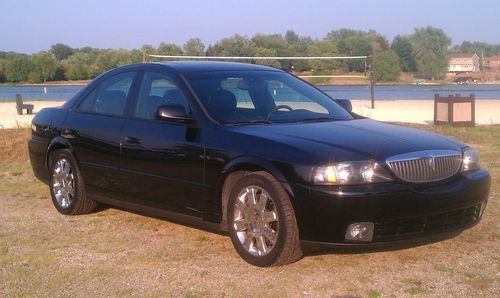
x=360, y=231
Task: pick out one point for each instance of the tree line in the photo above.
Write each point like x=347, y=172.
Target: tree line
x=423, y=53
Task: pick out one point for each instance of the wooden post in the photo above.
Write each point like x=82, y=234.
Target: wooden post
x=473, y=108
x=372, y=91
x=372, y=80
x=436, y=98
x=450, y=109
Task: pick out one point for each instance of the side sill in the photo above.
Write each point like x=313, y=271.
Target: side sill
x=183, y=219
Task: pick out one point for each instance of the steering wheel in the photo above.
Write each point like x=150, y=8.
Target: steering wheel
x=279, y=107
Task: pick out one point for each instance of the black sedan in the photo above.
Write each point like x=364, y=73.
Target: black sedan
x=256, y=152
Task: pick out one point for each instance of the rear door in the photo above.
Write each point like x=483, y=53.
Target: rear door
x=162, y=162
x=95, y=128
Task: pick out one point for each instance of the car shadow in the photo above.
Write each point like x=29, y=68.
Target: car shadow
x=308, y=248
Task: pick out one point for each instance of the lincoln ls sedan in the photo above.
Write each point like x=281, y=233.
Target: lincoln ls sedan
x=255, y=152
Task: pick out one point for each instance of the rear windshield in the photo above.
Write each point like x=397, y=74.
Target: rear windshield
x=270, y=96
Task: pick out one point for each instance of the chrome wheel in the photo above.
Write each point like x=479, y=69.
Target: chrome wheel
x=256, y=220
x=63, y=183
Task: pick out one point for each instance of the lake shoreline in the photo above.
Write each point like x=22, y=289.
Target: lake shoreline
x=409, y=111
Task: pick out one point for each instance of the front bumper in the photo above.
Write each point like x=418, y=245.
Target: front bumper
x=399, y=211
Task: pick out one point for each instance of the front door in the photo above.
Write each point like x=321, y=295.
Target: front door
x=162, y=162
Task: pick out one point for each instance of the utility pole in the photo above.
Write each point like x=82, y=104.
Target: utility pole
x=143, y=56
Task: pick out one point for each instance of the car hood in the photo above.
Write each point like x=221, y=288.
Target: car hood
x=352, y=139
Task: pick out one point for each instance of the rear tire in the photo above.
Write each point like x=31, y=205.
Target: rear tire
x=66, y=185
x=261, y=221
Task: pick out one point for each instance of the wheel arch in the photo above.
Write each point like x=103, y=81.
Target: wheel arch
x=238, y=168
x=57, y=143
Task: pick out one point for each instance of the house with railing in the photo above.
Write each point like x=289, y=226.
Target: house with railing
x=462, y=63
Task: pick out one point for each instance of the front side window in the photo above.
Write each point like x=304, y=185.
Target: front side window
x=157, y=90
x=270, y=96
x=110, y=97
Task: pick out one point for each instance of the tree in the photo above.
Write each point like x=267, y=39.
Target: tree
x=357, y=43
x=18, y=68
x=148, y=49
x=76, y=72
x=117, y=57
x=323, y=48
x=45, y=65
x=276, y=45
x=430, y=49
x=291, y=37
x=265, y=52
x=61, y=51
x=169, y=49
x=403, y=47
x=271, y=41
x=236, y=45
x=194, y=47
x=298, y=48
x=386, y=66
x=3, y=67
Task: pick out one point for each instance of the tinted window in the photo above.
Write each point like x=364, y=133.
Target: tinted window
x=111, y=95
x=239, y=96
x=156, y=90
x=87, y=103
x=243, y=99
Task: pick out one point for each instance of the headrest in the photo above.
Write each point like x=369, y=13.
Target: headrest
x=222, y=104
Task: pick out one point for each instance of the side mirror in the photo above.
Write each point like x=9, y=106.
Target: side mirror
x=173, y=113
x=345, y=103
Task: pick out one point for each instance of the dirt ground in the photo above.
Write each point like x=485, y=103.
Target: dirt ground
x=118, y=253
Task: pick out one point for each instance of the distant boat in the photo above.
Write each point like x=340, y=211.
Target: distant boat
x=419, y=81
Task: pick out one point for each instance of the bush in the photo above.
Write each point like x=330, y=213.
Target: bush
x=386, y=66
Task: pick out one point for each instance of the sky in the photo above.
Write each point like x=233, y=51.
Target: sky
x=30, y=26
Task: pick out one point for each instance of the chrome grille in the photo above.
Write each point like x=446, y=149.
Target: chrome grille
x=425, y=166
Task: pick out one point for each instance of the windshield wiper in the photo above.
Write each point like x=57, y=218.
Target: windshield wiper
x=317, y=119
x=246, y=122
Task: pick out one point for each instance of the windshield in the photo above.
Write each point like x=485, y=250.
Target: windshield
x=239, y=97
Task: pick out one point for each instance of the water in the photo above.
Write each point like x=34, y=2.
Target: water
x=407, y=92
x=62, y=93
x=413, y=91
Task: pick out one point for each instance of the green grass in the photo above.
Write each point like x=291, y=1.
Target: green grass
x=416, y=286
x=374, y=293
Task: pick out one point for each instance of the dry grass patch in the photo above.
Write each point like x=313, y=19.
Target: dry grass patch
x=118, y=253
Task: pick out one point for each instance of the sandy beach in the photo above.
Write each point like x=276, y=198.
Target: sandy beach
x=421, y=111
x=10, y=119
x=411, y=111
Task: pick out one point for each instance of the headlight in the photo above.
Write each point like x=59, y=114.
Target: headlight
x=470, y=160
x=350, y=172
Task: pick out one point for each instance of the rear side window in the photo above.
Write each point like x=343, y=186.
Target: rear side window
x=111, y=95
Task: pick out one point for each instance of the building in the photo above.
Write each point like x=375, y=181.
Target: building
x=460, y=63
x=492, y=64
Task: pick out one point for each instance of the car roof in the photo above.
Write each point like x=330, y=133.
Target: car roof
x=209, y=66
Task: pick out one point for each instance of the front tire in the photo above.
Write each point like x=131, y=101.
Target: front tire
x=66, y=185
x=261, y=221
